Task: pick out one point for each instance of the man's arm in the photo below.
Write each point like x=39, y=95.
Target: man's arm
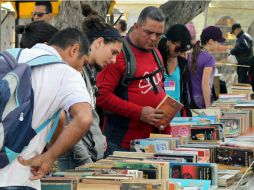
x=75, y=130
x=107, y=81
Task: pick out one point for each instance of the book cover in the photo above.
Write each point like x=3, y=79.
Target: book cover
x=144, y=185
x=207, y=133
x=231, y=126
x=234, y=156
x=195, y=120
x=203, y=171
x=203, y=154
x=171, y=108
x=59, y=183
x=180, y=131
x=203, y=184
x=207, y=112
x=149, y=145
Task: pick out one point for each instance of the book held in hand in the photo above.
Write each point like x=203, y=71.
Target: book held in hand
x=171, y=108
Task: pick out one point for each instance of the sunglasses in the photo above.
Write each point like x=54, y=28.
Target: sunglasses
x=39, y=14
x=181, y=49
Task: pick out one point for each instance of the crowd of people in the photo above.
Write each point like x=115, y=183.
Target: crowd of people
x=108, y=77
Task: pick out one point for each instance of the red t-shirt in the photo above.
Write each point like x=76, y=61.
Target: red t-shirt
x=127, y=108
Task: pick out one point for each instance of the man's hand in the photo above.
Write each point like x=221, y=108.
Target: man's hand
x=40, y=165
x=151, y=115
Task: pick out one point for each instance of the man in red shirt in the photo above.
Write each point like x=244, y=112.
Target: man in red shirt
x=130, y=111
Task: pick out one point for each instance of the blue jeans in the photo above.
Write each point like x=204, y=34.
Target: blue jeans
x=16, y=188
x=113, y=147
x=77, y=156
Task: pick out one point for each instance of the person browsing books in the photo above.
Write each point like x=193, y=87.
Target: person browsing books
x=71, y=47
x=106, y=44
x=130, y=109
x=202, y=67
x=177, y=40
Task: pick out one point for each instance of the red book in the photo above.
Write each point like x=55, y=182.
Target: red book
x=171, y=107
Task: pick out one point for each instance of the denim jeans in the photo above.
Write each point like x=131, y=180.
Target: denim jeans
x=16, y=188
x=77, y=156
x=113, y=147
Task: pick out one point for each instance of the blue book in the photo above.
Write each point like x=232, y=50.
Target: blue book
x=204, y=184
x=194, y=120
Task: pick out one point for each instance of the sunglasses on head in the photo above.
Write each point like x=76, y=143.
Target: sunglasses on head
x=39, y=14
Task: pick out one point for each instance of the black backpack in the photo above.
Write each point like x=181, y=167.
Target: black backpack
x=130, y=69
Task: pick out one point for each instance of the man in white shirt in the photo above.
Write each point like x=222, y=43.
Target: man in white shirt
x=55, y=86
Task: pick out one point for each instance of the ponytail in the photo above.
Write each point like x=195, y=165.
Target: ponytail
x=196, y=50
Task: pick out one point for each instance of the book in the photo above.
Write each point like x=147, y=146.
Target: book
x=234, y=156
x=91, y=184
x=231, y=126
x=195, y=120
x=145, y=185
x=202, y=184
x=227, y=178
x=207, y=133
x=203, y=171
x=203, y=154
x=180, y=130
x=149, y=145
x=59, y=183
x=207, y=112
x=171, y=108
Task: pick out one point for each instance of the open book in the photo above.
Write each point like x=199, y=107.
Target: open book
x=171, y=107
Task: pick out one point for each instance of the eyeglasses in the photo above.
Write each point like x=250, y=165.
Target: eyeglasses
x=149, y=33
x=39, y=14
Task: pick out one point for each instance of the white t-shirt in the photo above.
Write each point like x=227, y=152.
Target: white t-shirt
x=55, y=86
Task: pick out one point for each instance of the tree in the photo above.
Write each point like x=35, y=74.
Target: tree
x=181, y=12
x=70, y=12
x=251, y=29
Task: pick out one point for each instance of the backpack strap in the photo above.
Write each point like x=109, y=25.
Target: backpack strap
x=37, y=61
x=130, y=66
x=11, y=56
x=55, y=117
x=44, y=60
x=15, y=52
x=158, y=61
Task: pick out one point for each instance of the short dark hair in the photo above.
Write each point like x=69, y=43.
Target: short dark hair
x=35, y=32
x=176, y=33
x=47, y=4
x=123, y=25
x=179, y=33
x=151, y=12
x=68, y=37
x=95, y=25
